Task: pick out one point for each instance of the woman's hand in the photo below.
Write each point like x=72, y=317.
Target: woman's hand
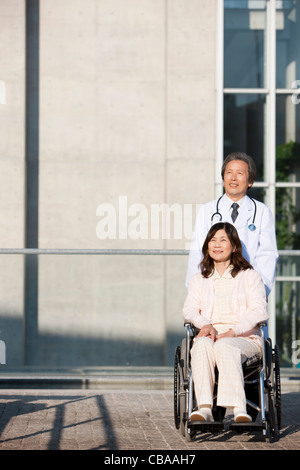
x=208, y=330
x=228, y=334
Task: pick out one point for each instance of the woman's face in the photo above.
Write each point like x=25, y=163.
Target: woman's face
x=219, y=247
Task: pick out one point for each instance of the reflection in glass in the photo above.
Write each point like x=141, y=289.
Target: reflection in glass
x=287, y=43
x=244, y=127
x=287, y=119
x=288, y=218
x=244, y=45
x=257, y=193
x=288, y=265
x=287, y=322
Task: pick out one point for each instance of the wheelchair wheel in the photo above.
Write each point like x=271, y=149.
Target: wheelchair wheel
x=268, y=357
x=189, y=434
x=273, y=414
x=177, y=388
x=277, y=385
x=183, y=374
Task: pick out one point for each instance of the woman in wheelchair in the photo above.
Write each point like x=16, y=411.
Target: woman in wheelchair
x=225, y=301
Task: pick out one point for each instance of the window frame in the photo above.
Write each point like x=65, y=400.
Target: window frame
x=271, y=92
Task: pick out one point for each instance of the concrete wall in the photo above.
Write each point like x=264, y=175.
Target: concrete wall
x=123, y=113
x=12, y=171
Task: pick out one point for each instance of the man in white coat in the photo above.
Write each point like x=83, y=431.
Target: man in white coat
x=252, y=219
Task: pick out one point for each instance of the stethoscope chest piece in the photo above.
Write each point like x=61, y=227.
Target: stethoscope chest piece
x=252, y=227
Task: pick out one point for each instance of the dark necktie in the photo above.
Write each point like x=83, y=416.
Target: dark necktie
x=234, y=213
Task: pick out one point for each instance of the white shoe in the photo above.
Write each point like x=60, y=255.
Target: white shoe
x=241, y=417
x=203, y=414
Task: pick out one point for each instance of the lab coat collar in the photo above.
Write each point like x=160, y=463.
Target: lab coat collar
x=230, y=201
x=245, y=213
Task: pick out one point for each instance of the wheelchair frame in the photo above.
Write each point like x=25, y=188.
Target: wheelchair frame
x=262, y=383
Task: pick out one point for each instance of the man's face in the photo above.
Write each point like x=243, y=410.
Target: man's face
x=236, y=179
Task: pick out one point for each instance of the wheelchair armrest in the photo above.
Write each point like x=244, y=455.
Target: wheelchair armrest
x=190, y=326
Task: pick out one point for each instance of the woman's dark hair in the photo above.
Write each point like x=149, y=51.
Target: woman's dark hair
x=238, y=262
x=244, y=158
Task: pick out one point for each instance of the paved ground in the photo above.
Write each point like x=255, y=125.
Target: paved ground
x=119, y=420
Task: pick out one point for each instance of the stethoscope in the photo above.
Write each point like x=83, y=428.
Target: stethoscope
x=251, y=226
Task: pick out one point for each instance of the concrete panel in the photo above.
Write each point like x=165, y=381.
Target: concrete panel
x=190, y=66
x=190, y=182
x=12, y=203
x=190, y=120
x=11, y=307
x=12, y=151
x=175, y=294
x=131, y=39
x=71, y=195
x=131, y=120
x=96, y=312
x=12, y=132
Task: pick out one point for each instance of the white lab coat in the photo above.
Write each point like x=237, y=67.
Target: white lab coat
x=259, y=246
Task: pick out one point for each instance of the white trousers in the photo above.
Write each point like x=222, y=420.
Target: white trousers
x=227, y=354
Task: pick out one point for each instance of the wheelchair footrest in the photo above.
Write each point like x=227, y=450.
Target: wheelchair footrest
x=245, y=427
x=205, y=426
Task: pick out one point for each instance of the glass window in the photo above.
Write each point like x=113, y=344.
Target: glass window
x=257, y=193
x=263, y=120
x=288, y=265
x=244, y=116
x=287, y=321
x=287, y=119
x=287, y=43
x=288, y=218
x=244, y=45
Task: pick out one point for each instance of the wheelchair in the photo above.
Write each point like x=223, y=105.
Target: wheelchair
x=262, y=389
